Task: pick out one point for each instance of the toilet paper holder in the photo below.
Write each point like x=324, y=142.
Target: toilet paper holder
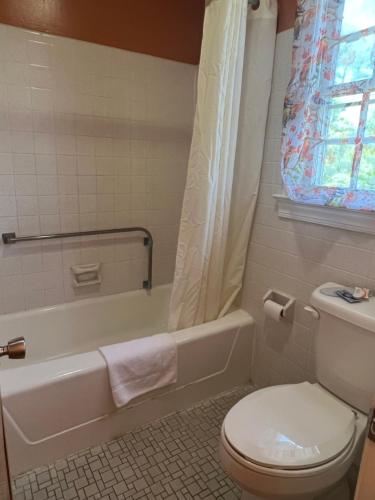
x=287, y=302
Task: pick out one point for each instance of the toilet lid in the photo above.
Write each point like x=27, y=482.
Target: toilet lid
x=290, y=426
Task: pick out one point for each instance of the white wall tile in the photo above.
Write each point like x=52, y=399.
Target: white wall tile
x=65, y=144
x=66, y=165
x=28, y=225
x=7, y=208
x=45, y=164
x=44, y=143
x=25, y=185
x=49, y=224
x=106, y=184
x=86, y=133
x=22, y=142
x=6, y=184
x=41, y=76
x=42, y=99
x=43, y=121
x=19, y=97
x=48, y=205
x=6, y=165
x=20, y=120
x=5, y=141
x=23, y=164
x=38, y=53
x=47, y=184
x=10, y=265
x=68, y=184
x=85, y=145
x=31, y=263
x=27, y=205
x=87, y=184
x=87, y=203
x=86, y=165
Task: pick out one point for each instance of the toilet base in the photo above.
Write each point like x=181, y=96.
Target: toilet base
x=248, y=496
x=340, y=492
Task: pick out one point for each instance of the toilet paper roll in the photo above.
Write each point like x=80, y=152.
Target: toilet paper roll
x=273, y=310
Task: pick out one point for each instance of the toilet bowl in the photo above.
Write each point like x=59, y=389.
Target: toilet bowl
x=291, y=442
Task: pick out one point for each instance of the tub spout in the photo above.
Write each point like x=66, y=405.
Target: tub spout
x=16, y=348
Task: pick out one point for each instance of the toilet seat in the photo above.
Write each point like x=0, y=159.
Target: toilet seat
x=290, y=427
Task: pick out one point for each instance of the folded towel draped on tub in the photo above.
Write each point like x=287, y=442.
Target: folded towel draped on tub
x=140, y=366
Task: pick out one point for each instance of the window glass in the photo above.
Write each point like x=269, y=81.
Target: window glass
x=337, y=166
x=354, y=61
x=358, y=15
x=343, y=117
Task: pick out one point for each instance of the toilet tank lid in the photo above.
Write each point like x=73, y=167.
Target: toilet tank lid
x=361, y=314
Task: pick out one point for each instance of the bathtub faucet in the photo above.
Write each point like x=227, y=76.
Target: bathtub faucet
x=15, y=349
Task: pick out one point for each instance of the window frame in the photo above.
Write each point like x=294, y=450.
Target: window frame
x=340, y=218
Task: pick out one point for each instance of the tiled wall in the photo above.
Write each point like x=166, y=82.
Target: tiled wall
x=294, y=257
x=90, y=137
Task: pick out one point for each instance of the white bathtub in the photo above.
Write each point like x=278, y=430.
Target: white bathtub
x=58, y=400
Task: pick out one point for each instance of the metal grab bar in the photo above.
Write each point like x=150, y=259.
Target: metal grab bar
x=10, y=238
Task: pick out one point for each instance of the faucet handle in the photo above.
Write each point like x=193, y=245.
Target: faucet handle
x=16, y=348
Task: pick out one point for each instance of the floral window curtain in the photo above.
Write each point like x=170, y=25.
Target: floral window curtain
x=328, y=143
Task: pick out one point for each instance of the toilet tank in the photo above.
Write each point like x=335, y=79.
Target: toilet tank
x=345, y=348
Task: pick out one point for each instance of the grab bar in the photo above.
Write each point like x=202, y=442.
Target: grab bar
x=10, y=238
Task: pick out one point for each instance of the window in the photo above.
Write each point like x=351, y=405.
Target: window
x=328, y=148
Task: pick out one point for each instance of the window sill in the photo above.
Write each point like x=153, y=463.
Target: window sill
x=350, y=220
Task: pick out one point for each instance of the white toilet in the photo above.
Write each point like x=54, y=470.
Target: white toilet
x=298, y=441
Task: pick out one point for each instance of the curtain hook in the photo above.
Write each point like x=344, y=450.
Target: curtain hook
x=254, y=4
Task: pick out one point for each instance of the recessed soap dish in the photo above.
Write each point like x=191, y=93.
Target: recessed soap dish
x=86, y=275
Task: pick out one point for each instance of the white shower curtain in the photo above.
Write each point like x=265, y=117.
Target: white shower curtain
x=225, y=159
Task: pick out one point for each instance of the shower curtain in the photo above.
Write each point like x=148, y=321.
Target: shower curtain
x=225, y=159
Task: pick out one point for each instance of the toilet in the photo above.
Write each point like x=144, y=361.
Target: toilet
x=297, y=441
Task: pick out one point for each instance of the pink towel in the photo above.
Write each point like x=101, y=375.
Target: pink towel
x=140, y=366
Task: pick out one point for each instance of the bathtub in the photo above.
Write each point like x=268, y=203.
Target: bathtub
x=58, y=400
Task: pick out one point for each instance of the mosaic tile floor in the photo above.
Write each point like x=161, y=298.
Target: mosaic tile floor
x=172, y=458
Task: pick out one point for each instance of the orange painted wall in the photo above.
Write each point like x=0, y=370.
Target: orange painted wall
x=287, y=14
x=165, y=28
